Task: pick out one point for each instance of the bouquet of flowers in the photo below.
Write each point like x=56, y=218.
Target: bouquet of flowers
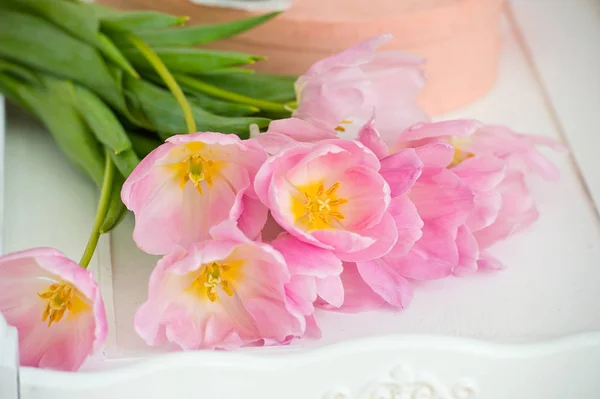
x=340, y=207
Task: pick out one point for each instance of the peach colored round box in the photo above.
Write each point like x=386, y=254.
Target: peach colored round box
x=460, y=39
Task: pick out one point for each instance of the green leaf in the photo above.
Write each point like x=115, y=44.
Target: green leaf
x=259, y=85
x=108, y=48
x=125, y=161
x=18, y=71
x=211, y=104
x=218, y=107
x=41, y=45
x=74, y=18
x=142, y=144
x=162, y=110
x=192, y=83
x=77, y=20
x=191, y=60
x=101, y=119
x=68, y=129
x=201, y=34
x=138, y=20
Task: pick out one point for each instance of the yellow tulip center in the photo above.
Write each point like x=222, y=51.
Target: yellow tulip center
x=319, y=208
x=459, y=154
x=196, y=167
x=198, y=170
x=62, y=297
x=217, y=275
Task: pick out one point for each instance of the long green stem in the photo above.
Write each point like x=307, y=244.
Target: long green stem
x=218, y=92
x=166, y=76
x=107, y=181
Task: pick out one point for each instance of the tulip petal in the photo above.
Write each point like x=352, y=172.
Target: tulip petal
x=358, y=295
x=450, y=128
x=331, y=290
x=386, y=282
x=401, y=170
x=369, y=137
x=306, y=259
x=434, y=256
x=380, y=238
x=408, y=225
x=441, y=196
x=468, y=252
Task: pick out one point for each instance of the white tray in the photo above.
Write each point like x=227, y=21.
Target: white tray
x=531, y=331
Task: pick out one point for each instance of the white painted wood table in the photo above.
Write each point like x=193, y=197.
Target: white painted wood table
x=531, y=331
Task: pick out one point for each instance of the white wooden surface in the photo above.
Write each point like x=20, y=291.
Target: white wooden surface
x=545, y=304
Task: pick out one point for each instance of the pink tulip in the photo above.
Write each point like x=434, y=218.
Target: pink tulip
x=340, y=93
x=315, y=274
x=55, y=305
x=333, y=195
x=289, y=132
x=493, y=161
x=429, y=204
x=190, y=184
x=222, y=293
x=280, y=184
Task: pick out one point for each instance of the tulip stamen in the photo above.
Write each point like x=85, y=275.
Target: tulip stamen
x=320, y=207
x=213, y=276
x=61, y=297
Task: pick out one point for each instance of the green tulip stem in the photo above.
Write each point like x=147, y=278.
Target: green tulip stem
x=103, y=203
x=223, y=94
x=166, y=76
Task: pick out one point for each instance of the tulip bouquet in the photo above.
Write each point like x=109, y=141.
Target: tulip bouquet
x=339, y=207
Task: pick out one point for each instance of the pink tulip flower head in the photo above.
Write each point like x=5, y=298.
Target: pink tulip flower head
x=341, y=92
x=190, y=184
x=330, y=194
x=55, y=305
x=494, y=162
x=334, y=194
x=222, y=293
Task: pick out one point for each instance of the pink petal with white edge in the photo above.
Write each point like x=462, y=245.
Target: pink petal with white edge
x=358, y=296
x=306, y=259
x=454, y=128
x=401, y=170
x=435, y=154
x=441, y=196
x=517, y=212
x=356, y=55
x=368, y=196
x=327, y=100
x=397, y=78
x=301, y=293
x=386, y=282
x=481, y=172
x=434, y=256
x=485, y=212
x=369, y=137
x=143, y=183
x=488, y=262
x=300, y=130
x=408, y=225
x=351, y=248
x=468, y=252
x=253, y=217
x=331, y=290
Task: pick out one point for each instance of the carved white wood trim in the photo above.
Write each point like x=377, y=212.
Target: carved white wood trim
x=404, y=382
